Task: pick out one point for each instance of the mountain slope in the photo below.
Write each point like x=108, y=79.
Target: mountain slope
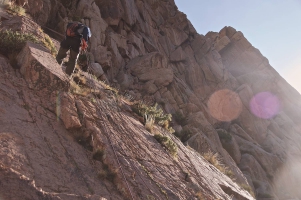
x=214, y=85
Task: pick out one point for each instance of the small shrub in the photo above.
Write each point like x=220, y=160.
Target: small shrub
x=14, y=41
x=108, y=87
x=106, y=172
x=180, y=119
x=199, y=196
x=223, y=134
x=149, y=123
x=229, y=173
x=83, y=58
x=247, y=188
x=157, y=114
x=78, y=90
x=98, y=154
x=150, y=197
x=49, y=44
x=184, y=135
x=168, y=143
x=214, y=159
x=15, y=9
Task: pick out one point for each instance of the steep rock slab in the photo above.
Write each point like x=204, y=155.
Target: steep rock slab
x=51, y=161
x=40, y=69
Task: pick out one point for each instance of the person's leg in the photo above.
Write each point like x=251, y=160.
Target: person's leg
x=72, y=61
x=74, y=52
x=64, y=47
x=61, y=55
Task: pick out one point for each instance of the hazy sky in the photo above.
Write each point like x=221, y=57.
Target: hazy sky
x=272, y=26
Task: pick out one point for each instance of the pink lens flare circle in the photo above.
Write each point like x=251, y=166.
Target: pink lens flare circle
x=225, y=105
x=265, y=105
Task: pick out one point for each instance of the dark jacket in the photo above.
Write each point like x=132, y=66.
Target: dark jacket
x=83, y=31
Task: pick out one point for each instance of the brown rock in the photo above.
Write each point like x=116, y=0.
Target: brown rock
x=222, y=43
x=177, y=55
x=68, y=112
x=40, y=69
x=151, y=67
x=151, y=49
x=230, y=145
x=268, y=161
x=111, y=11
x=250, y=166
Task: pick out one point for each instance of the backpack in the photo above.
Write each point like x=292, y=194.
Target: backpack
x=74, y=29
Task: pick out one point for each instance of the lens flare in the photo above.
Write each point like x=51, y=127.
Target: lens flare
x=265, y=105
x=225, y=105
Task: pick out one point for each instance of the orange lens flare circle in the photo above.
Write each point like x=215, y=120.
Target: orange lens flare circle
x=225, y=105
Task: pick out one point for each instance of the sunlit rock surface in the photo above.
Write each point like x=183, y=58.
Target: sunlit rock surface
x=149, y=50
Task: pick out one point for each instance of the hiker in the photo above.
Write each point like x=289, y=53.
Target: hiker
x=77, y=36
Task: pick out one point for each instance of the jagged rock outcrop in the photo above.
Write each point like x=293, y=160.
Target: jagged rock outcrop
x=218, y=81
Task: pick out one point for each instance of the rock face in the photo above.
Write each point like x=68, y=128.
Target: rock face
x=150, y=50
x=68, y=147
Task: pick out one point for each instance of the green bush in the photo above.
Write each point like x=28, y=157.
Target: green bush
x=247, y=188
x=180, y=118
x=98, y=154
x=184, y=135
x=168, y=143
x=14, y=41
x=149, y=123
x=223, y=134
x=215, y=160
x=156, y=113
x=12, y=7
x=49, y=44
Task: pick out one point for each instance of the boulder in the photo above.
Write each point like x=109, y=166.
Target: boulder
x=96, y=69
x=152, y=66
x=40, y=70
x=269, y=162
x=111, y=11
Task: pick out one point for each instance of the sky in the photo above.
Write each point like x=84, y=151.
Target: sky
x=272, y=26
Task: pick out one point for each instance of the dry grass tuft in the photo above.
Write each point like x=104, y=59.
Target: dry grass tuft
x=78, y=90
x=13, y=41
x=168, y=143
x=199, y=195
x=157, y=114
x=47, y=42
x=214, y=159
x=12, y=7
x=248, y=188
x=149, y=123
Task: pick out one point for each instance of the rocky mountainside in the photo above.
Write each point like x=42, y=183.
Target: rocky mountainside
x=224, y=97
